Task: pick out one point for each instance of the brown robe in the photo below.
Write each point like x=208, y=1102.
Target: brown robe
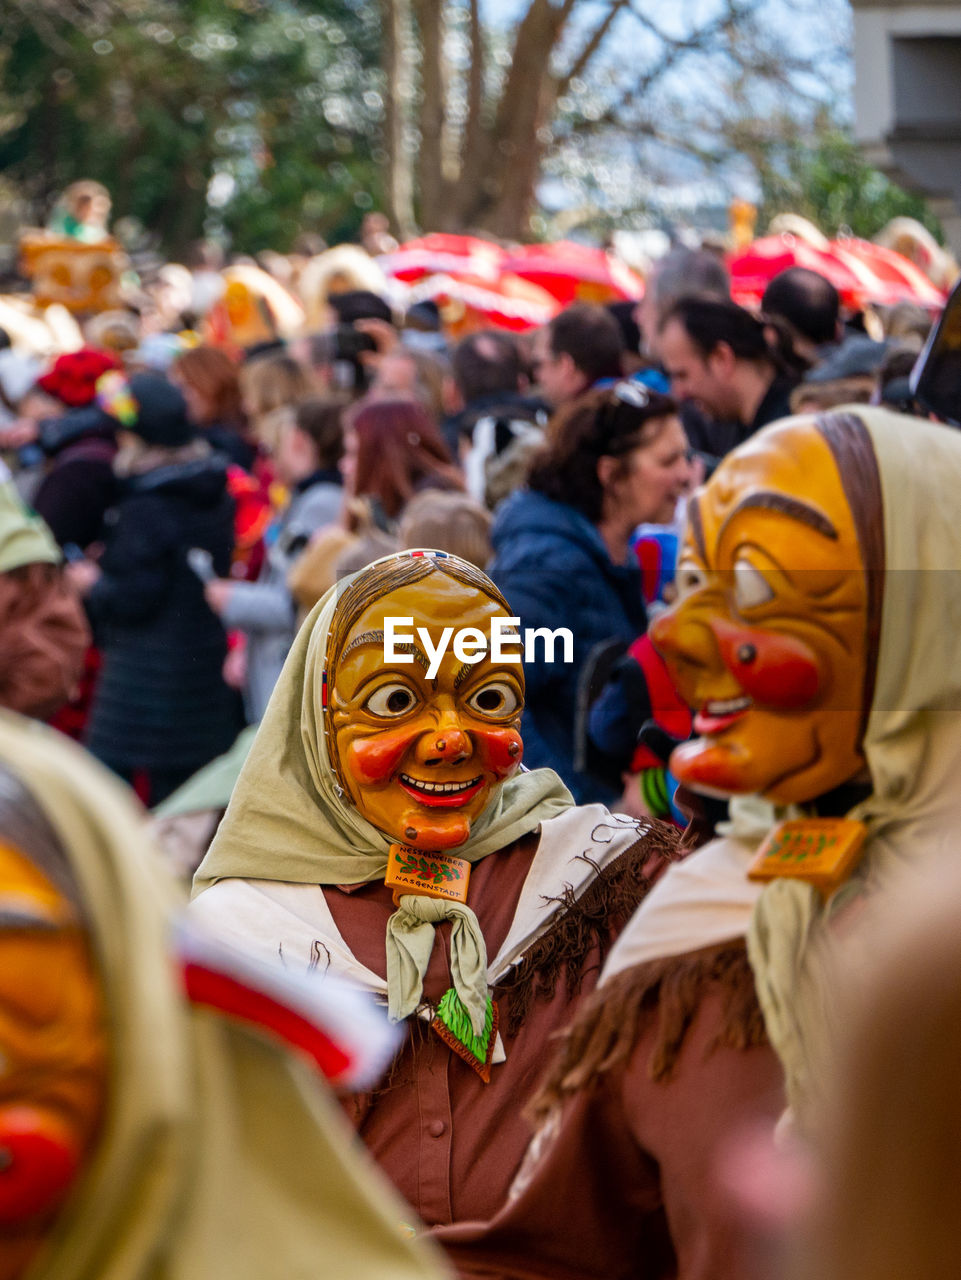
x=449, y=1142
x=664, y=1065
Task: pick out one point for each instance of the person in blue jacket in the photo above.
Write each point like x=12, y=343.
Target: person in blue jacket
x=614, y=458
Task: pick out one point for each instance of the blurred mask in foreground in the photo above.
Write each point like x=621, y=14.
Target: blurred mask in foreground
x=52, y=1036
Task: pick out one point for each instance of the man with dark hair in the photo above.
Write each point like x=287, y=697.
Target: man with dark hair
x=679, y=274
x=718, y=355
x=496, y=424
x=579, y=348
x=810, y=306
x=359, y=304
x=486, y=363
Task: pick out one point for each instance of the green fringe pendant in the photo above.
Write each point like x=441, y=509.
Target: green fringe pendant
x=452, y=1023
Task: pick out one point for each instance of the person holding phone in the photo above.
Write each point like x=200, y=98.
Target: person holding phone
x=161, y=709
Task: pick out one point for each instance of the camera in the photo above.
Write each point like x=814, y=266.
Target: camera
x=350, y=343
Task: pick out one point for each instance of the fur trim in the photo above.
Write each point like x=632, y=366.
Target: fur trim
x=607, y=1028
x=137, y=457
x=594, y=918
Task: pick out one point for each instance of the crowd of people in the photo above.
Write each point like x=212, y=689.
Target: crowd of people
x=289, y=461
x=201, y=540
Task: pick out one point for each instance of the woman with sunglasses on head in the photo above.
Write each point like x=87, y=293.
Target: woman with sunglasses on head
x=614, y=459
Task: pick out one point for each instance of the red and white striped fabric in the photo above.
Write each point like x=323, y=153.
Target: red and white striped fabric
x=572, y=272
x=508, y=303
x=889, y=277
x=441, y=253
x=340, y=1028
x=861, y=272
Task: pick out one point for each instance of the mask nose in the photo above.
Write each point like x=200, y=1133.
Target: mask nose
x=445, y=744
x=682, y=640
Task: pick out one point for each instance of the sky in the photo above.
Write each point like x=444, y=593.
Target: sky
x=814, y=31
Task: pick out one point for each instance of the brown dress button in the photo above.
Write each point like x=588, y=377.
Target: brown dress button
x=436, y=1128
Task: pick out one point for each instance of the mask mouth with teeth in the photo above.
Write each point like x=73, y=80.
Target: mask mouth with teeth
x=768, y=639
x=420, y=758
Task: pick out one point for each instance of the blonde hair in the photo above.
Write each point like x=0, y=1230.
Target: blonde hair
x=271, y=382
x=450, y=521
x=270, y=388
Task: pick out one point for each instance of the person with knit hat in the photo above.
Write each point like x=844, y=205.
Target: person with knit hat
x=817, y=637
x=161, y=709
x=163, y=1108
x=382, y=829
x=72, y=379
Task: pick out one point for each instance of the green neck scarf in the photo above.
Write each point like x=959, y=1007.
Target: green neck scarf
x=289, y=820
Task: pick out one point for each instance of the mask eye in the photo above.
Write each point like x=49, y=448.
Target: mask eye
x=689, y=578
x=495, y=700
x=751, y=588
x=391, y=700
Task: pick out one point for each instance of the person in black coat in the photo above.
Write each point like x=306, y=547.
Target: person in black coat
x=161, y=709
x=614, y=459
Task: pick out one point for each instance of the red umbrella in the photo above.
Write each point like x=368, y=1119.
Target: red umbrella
x=755, y=267
x=440, y=253
x=473, y=303
x=575, y=272
x=889, y=277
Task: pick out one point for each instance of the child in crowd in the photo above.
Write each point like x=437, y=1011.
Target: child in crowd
x=308, y=448
x=448, y=521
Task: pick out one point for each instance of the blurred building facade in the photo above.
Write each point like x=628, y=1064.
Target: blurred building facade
x=907, y=60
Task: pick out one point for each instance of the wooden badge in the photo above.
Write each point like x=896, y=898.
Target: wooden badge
x=820, y=851
x=434, y=875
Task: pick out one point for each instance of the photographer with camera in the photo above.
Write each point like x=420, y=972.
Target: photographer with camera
x=344, y=357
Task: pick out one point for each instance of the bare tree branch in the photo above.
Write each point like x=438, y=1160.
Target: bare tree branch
x=431, y=114
x=400, y=179
x=518, y=116
x=594, y=42
x=475, y=89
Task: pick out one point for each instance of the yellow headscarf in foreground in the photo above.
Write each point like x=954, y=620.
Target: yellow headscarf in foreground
x=912, y=741
x=222, y=1156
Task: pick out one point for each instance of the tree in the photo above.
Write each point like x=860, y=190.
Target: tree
x=475, y=112
x=261, y=118
x=264, y=115
x=823, y=177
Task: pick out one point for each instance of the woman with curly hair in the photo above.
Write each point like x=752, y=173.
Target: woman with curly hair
x=613, y=460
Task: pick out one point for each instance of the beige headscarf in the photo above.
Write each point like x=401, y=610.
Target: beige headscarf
x=24, y=538
x=912, y=744
x=222, y=1155
x=289, y=820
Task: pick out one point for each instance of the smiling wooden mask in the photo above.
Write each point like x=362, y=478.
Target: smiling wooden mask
x=421, y=758
x=769, y=639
